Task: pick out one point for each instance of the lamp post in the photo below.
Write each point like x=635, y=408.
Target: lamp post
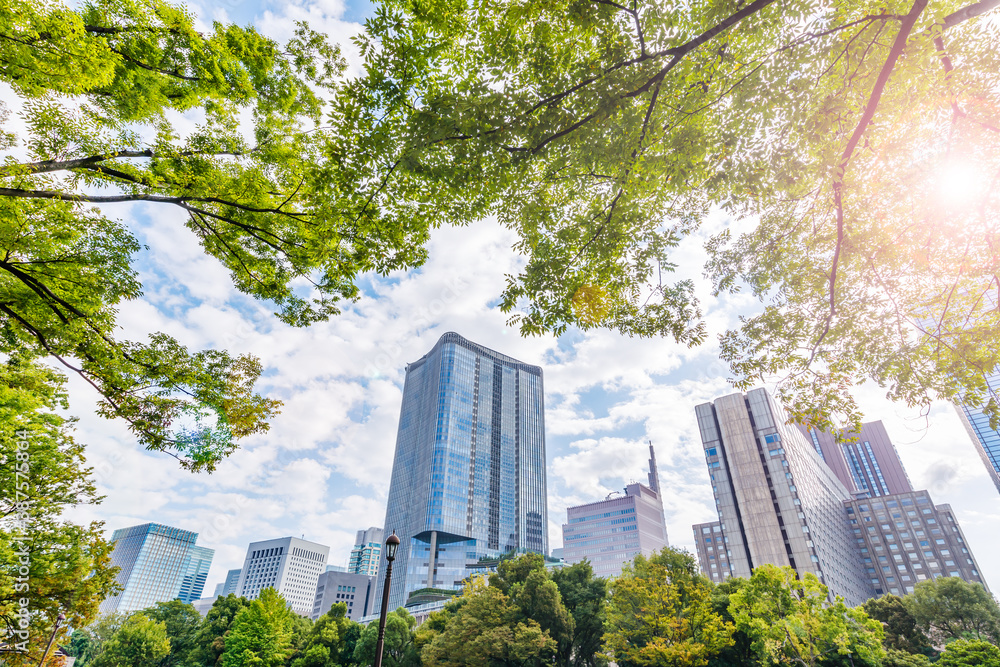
x=55, y=628
x=391, y=544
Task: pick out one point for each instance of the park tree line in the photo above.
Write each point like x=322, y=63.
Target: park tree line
x=660, y=612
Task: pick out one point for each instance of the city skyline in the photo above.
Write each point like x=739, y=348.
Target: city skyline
x=323, y=469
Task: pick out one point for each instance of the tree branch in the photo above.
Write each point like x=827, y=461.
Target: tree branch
x=905, y=28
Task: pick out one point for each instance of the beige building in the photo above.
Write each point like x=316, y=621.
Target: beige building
x=777, y=501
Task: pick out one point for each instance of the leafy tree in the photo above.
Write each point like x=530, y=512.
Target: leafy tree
x=660, y=613
x=54, y=565
x=326, y=643
x=950, y=608
x=97, y=84
x=261, y=633
x=210, y=640
x=585, y=597
x=789, y=620
x=399, y=649
x=897, y=658
x=301, y=628
x=604, y=132
x=138, y=642
x=741, y=651
x=89, y=642
x=486, y=629
x=536, y=596
x=899, y=625
x=970, y=653
x=182, y=622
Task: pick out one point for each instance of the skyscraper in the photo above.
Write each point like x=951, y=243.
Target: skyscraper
x=468, y=477
x=985, y=438
x=778, y=502
x=613, y=531
x=199, y=560
x=866, y=462
x=158, y=564
x=897, y=535
x=289, y=565
x=232, y=583
x=367, y=552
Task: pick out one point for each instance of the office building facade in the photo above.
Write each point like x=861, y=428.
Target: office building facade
x=778, y=502
x=865, y=462
x=232, y=583
x=985, y=438
x=354, y=590
x=157, y=564
x=613, y=531
x=899, y=535
x=289, y=565
x=468, y=478
x=367, y=552
x=906, y=538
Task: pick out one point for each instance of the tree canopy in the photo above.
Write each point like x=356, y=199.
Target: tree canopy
x=949, y=608
x=790, y=620
x=660, y=614
x=604, y=131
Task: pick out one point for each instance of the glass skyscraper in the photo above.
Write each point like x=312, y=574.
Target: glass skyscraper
x=468, y=478
x=158, y=564
x=986, y=439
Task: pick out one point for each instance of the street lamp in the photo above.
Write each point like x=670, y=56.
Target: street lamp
x=391, y=544
x=55, y=628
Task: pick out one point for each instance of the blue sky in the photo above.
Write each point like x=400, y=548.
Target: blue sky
x=322, y=470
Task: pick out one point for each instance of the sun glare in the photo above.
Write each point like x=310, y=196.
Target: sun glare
x=958, y=184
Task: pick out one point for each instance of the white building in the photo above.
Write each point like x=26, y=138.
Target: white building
x=289, y=565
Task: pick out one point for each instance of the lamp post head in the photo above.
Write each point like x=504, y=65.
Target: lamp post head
x=391, y=544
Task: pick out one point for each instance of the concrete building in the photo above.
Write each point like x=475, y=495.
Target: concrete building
x=898, y=535
x=289, y=565
x=865, y=462
x=367, y=552
x=158, y=564
x=905, y=538
x=778, y=502
x=468, y=477
x=615, y=530
x=354, y=590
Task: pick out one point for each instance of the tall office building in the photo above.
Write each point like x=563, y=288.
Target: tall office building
x=985, y=438
x=367, y=552
x=615, y=530
x=778, y=502
x=158, y=564
x=232, y=583
x=289, y=565
x=866, y=462
x=899, y=535
x=354, y=590
x=468, y=478
x=199, y=561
